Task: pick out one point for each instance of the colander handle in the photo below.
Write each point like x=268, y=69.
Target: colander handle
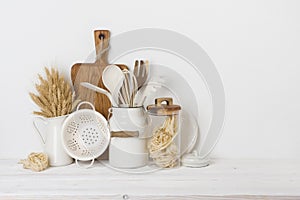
x=35, y=122
x=85, y=166
x=85, y=102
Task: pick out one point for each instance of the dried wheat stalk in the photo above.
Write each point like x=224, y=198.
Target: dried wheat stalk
x=54, y=95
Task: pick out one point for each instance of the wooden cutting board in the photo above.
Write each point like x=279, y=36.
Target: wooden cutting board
x=92, y=73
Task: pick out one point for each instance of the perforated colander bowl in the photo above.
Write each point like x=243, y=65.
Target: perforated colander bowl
x=85, y=134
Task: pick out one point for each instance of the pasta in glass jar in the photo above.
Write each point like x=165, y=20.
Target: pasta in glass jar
x=164, y=144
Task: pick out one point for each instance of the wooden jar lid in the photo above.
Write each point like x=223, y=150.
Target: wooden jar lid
x=161, y=108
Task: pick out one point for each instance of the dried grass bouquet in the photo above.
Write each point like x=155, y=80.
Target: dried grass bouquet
x=54, y=95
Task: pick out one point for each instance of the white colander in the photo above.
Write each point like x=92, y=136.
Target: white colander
x=85, y=134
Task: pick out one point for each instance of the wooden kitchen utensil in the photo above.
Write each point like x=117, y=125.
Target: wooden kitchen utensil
x=92, y=73
x=141, y=72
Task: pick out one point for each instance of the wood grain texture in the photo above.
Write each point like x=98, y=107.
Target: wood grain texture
x=92, y=73
x=223, y=179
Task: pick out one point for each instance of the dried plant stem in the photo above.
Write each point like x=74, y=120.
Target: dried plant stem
x=54, y=95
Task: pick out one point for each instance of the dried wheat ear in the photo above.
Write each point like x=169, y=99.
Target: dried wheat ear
x=54, y=95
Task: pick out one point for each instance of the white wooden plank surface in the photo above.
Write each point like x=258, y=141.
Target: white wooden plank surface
x=223, y=179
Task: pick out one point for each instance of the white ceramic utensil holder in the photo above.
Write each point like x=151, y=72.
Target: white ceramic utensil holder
x=51, y=139
x=130, y=152
x=129, y=119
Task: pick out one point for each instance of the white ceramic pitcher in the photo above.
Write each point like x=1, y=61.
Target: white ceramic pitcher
x=51, y=139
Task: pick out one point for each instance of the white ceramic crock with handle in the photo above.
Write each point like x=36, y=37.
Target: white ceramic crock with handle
x=130, y=119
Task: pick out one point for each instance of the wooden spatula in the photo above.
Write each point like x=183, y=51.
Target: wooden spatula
x=92, y=73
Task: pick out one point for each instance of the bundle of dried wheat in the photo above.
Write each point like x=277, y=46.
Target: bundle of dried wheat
x=54, y=95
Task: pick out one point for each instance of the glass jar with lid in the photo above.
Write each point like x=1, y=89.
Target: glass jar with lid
x=164, y=143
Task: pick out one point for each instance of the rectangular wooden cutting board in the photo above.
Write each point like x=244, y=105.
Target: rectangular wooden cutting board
x=92, y=73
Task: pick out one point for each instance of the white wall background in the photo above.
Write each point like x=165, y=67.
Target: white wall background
x=254, y=44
